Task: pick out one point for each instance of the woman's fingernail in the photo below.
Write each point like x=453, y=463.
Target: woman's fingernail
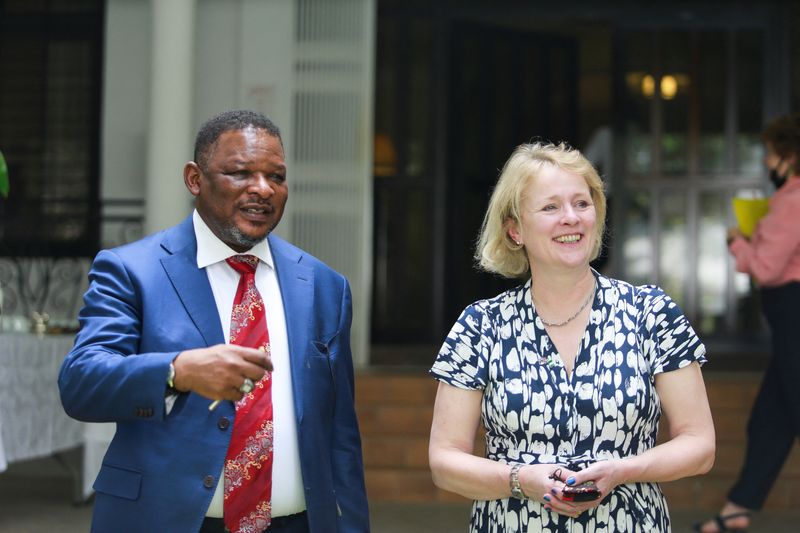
x=547, y=507
x=571, y=480
x=547, y=497
x=554, y=491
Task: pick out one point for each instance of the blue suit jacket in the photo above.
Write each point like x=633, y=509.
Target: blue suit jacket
x=148, y=301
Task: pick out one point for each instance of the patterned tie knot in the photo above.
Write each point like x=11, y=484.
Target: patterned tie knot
x=243, y=264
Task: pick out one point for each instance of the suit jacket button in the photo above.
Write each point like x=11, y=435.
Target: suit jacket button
x=223, y=423
x=208, y=482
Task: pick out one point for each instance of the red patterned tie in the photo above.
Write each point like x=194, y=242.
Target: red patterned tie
x=248, y=464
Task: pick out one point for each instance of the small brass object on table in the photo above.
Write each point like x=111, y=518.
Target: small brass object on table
x=39, y=324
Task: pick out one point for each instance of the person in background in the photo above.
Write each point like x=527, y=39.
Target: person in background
x=570, y=372
x=222, y=353
x=772, y=257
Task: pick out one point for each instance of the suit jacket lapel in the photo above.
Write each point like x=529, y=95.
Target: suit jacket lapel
x=190, y=282
x=297, y=293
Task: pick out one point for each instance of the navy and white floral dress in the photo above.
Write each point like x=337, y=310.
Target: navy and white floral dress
x=534, y=413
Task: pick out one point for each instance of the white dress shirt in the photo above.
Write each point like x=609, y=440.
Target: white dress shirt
x=287, y=485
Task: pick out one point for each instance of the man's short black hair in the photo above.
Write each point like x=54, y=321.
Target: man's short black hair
x=229, y=121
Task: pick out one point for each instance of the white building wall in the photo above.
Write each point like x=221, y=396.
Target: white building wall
x=125, y=113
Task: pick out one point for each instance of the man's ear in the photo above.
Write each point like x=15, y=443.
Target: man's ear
x=191, y=177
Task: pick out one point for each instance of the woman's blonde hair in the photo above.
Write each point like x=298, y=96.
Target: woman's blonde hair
x=496, y=251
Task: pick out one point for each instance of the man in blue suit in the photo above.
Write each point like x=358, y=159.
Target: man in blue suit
x=151, y=355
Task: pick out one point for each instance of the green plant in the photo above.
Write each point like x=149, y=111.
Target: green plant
x=5, y=185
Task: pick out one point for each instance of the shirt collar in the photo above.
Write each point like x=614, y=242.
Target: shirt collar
x=211, y=250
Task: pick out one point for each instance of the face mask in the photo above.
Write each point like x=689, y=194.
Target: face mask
x=776, y=179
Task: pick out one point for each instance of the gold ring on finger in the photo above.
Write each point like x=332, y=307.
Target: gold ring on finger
x=247, y=386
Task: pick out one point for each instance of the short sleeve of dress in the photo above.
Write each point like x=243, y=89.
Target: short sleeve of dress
x=463, y=359
x=669, y=341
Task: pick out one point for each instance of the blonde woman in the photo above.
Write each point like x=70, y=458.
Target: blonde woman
x=569, y=372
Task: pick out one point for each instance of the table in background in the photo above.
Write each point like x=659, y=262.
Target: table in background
x=33, y=423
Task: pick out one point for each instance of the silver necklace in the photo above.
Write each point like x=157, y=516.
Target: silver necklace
x=570, y=319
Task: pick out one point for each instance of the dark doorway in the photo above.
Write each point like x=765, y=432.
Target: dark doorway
x=453, y=99
x=505, y=88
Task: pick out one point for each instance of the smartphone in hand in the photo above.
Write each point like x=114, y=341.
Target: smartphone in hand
x=585, y=492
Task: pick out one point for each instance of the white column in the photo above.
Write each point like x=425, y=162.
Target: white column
x=170, y=137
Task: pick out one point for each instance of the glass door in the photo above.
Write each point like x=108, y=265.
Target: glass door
x=691, y=113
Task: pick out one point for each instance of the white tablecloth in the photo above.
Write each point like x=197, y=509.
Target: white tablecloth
x=32, y=421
